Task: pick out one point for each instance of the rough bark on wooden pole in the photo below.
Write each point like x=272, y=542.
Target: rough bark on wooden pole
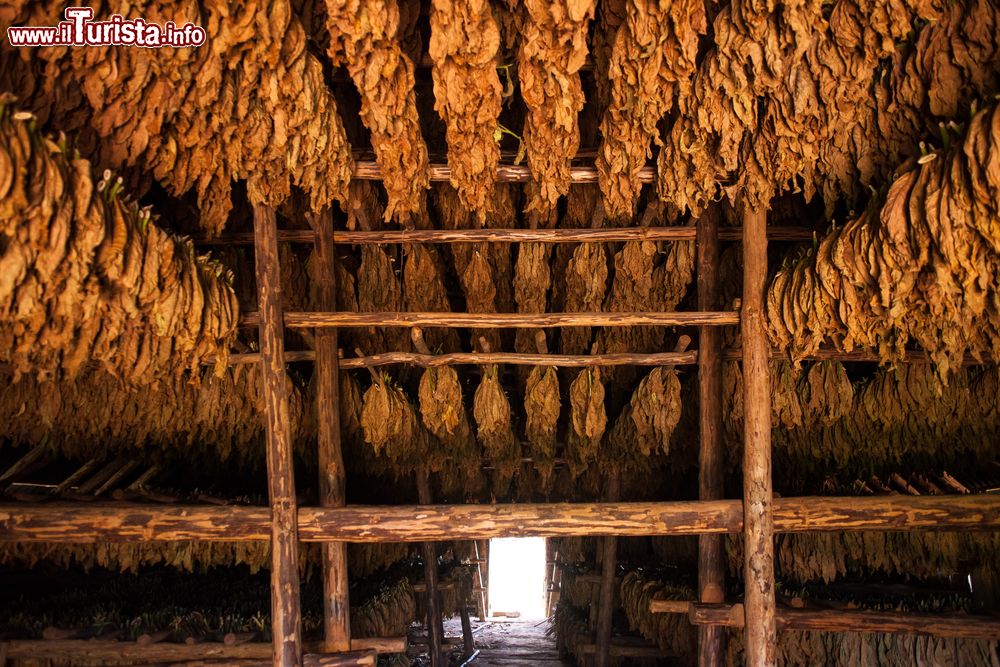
x=606, y=598
x=760, y=634
x=95, y=522
x=336, y=603
x=468, y=640
x=310, y=320
x=435, y=626
x=711, y=569
x=286, y=622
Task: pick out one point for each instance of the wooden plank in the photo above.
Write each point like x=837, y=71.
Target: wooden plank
x=435, y=626
x=286, y=622
x=108, y=652
x=760, y=634
x=316, y=320
x=711, y=455
x=88, y=523
x=336, y=601
x=958, y=626
x=670, y=606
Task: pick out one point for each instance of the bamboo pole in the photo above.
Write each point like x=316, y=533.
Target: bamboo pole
x=111, y=522
x=711, y=459
x=286, y=622
x=957, y=626
x=760, y=635
x=435, y=627
x=306, y=320
x=606, y=597
x=332, y=493
x=496, y=235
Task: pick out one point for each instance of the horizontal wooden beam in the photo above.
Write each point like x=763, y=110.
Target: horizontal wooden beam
x=110, y=651
x=506, y=173
x=518, y=359
x=958, y=626
x=558, y=235
x=81, y=523
x=320, y=320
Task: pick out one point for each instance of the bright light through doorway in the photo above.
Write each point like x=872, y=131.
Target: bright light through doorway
x=517, y=576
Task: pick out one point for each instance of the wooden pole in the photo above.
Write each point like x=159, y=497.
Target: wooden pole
x=957, y=626
x=116, y=522
x=305, y=320
x=711, y=459
x=760, y=635
x=506, y=173
x=286, y=624
x=108, y=652
x=481, y=358
x=468, y=640
x=435, y=627
x=332, y=493
x=606, y=599
x=495, y=235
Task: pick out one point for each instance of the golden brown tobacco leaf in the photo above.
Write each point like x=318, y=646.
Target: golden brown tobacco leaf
x=588, y=420
x=467, y=94
x=651, y=64
x=923, y=268
x=541, y=407
x=552, y=50
x=363, y=37
x=251, y=104
x=85, y=274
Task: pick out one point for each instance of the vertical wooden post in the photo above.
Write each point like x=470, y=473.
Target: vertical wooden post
x=286, y=622
x=435, y=627
x=336, y=603
x=606, y=599
x=468, y=640
x=711, y=466
x=758, y=520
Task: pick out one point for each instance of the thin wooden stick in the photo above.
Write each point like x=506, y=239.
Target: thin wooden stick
x=332, y=492
x=711, y=457
x=495, y=235
x=316, y=320
x=760, y=635
x=286, y=621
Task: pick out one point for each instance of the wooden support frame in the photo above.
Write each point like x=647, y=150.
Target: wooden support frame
x=87, y=523
x=286, y=620
x=319, y=320
x=711, y=454
x=760, y=634
x=332, y=477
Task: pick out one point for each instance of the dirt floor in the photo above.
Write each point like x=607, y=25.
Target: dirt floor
x=507, y=642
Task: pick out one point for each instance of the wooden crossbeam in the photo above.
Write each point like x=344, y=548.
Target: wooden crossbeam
x=958, y=626
x=508, y=235
x=319, y=320
x=107, y=652
x=85, y=523
x=286, y=620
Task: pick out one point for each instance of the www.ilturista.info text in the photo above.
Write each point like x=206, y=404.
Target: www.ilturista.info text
x=79, y=29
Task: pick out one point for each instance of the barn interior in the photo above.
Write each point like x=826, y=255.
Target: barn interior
x=503, y=332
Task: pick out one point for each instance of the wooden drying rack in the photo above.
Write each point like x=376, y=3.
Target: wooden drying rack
x=758, y=516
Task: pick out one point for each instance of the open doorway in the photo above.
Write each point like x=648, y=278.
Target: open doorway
x=517, y=577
